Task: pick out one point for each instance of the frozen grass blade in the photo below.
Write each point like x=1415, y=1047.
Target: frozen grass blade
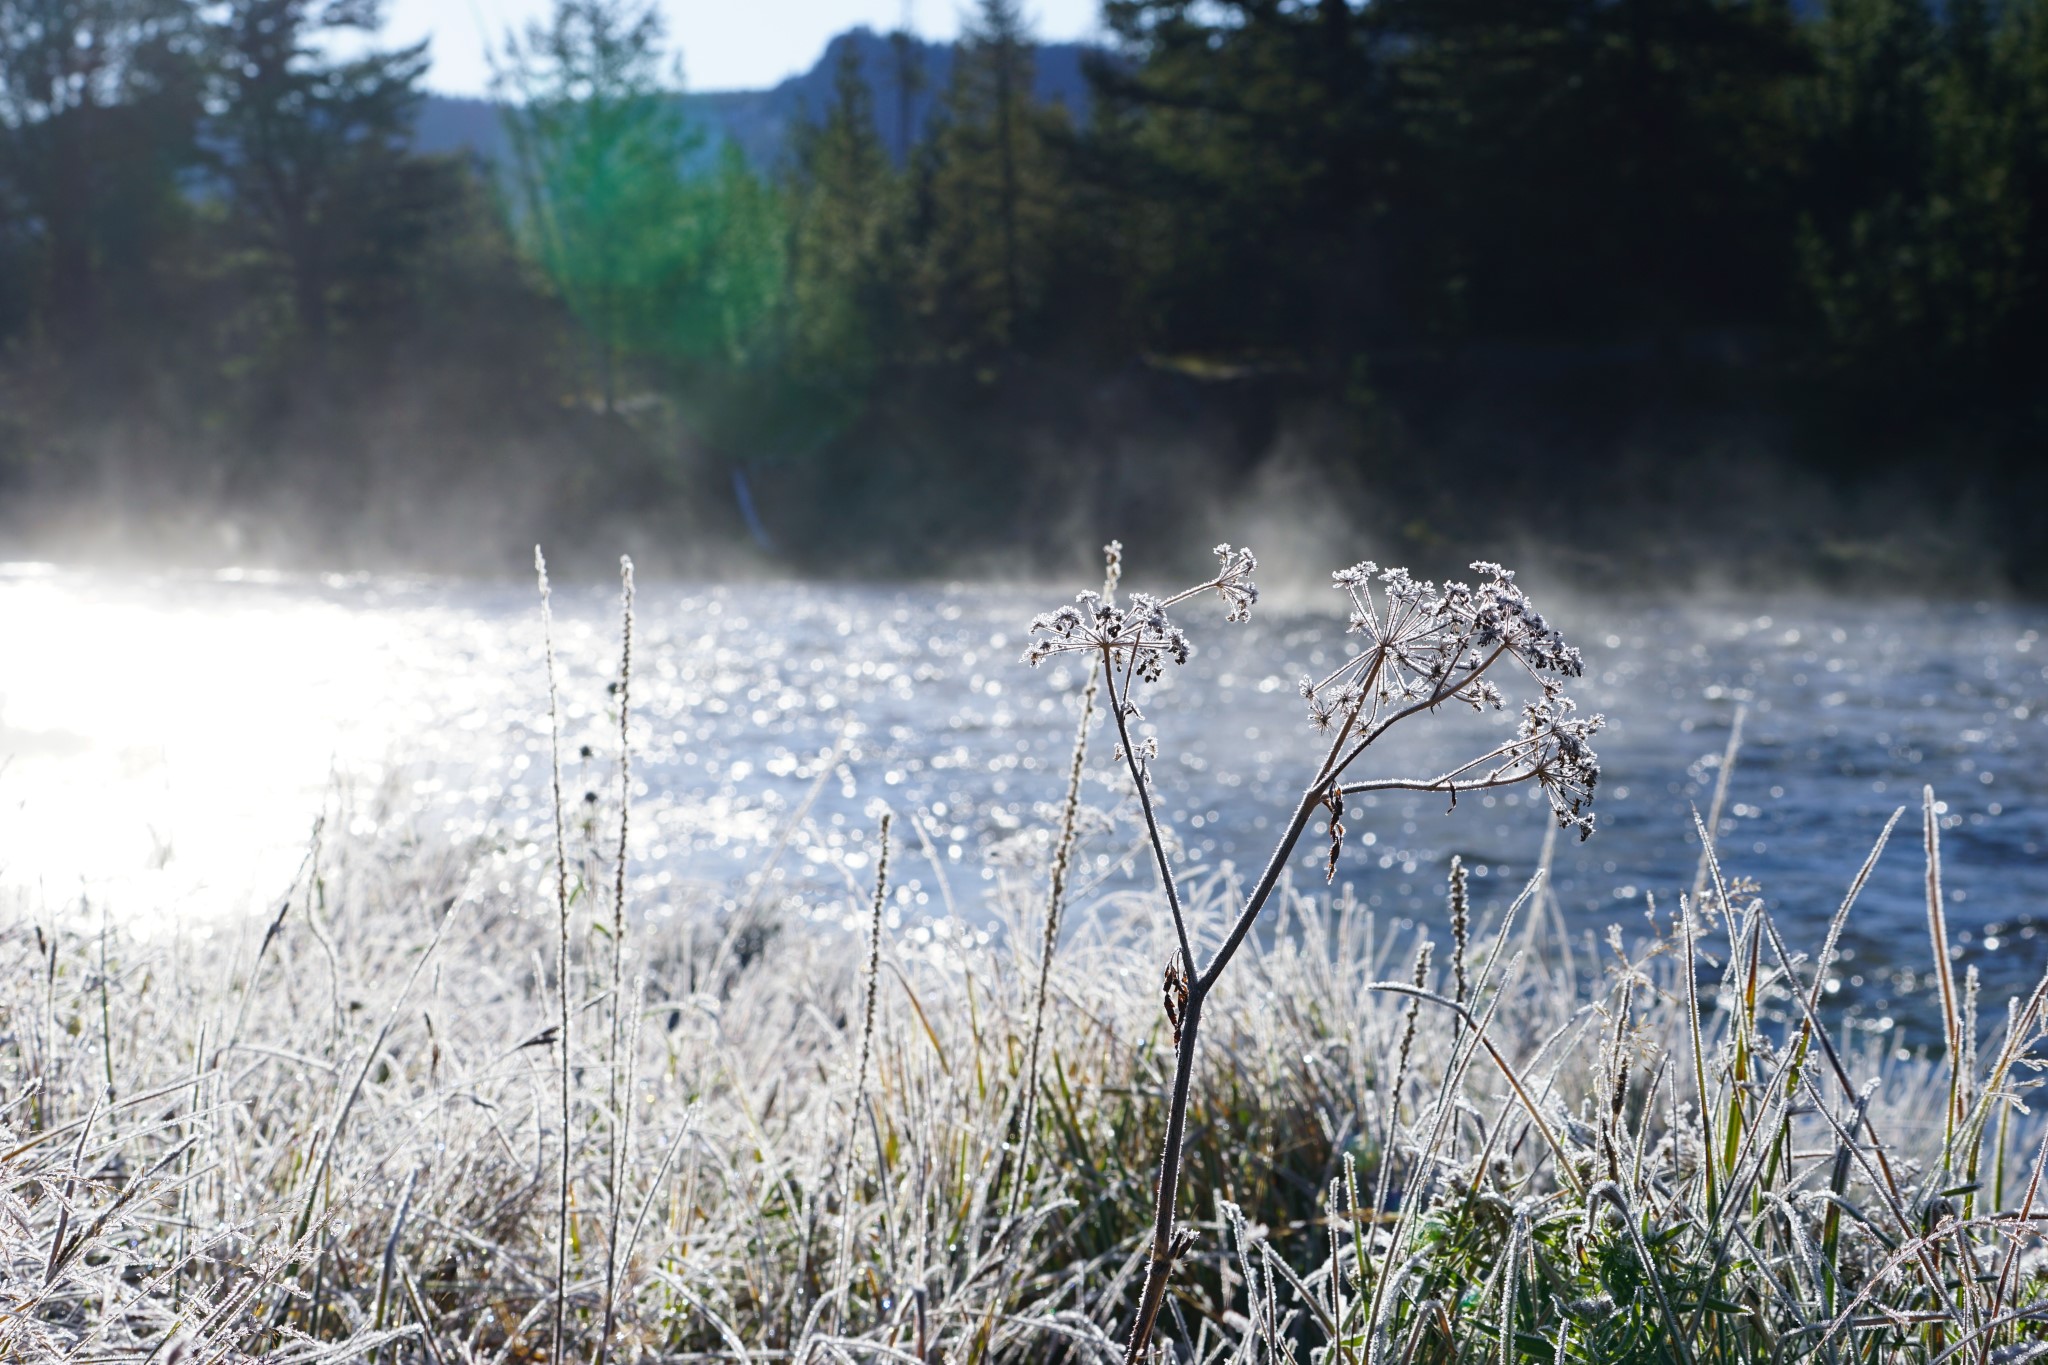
x=1944, y=971
x=1713, y=825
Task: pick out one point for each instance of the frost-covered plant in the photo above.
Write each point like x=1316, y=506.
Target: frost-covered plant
x=1420, y=646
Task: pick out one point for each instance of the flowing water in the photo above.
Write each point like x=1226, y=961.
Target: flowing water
x=167, y=742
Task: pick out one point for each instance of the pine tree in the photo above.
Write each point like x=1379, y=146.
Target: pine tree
x=315, y=149
x=906, y=70
x=847, y=199
x=995, y=185
x=99, y=111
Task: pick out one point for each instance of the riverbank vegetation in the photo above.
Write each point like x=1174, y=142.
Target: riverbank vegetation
x=336, y=1135
x=485, y=1102
x=1638, y=267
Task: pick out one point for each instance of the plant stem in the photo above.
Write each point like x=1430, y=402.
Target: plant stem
x=1160, y=1264
x=547, y=627
x=621, y=1114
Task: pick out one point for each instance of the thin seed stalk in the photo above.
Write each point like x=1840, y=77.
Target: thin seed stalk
x=1937, y=931
x=547, y=627
x=621, y=1115
x=1699, y=1056
x=1055, y=898
x=843, y=1270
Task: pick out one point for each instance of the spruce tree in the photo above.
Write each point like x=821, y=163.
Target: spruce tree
x=99, y=109
x=847, y=199
x=314, y=149
x=995, y=187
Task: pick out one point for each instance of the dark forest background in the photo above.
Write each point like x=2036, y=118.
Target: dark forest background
x=1650, y=289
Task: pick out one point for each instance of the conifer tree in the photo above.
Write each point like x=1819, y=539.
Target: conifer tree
x=995, y=186
x=1922, y=229
x=99, y=110
x=600, y=145
x=315, y=148
x=847, y=197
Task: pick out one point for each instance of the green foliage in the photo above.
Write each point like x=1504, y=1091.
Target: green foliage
x=994, y=189
x=1925, y=258
x=653, y=261
x=99, y=107
x=322, y=190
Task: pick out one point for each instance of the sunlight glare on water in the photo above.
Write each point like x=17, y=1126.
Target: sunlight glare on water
x=168, y=746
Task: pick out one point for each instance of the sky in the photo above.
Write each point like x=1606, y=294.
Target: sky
x=725, y=44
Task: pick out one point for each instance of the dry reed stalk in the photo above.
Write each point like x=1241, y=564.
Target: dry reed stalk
x=842, y=1271
x=562, y=1022
x=1055, y=899
x=1419, y=977
x=620, y=1122
x=1461, y=929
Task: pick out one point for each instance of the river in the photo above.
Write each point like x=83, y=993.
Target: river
x=168, y=741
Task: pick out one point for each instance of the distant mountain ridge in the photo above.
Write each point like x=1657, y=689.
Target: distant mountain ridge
x=764, y=122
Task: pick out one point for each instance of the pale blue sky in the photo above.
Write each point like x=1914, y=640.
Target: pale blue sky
x=726, y=44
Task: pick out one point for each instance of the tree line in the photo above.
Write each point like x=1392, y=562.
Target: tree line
x=1464, y=258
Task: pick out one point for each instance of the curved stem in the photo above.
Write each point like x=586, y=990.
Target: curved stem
x=1543, y=1129
x=1435, y=784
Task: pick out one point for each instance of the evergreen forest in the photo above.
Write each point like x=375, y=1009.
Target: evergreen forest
x=1655, y=289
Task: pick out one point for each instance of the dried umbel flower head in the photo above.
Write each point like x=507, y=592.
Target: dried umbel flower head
x=1234, y=581
x=1555, y=746
x=1139, y=634
x=1420, y=638
x=1425, y=644
x=1139, y=638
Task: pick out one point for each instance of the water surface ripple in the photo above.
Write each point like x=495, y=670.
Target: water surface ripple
x=167, y=742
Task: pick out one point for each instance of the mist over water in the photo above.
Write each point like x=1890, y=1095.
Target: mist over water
x=169, y=741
